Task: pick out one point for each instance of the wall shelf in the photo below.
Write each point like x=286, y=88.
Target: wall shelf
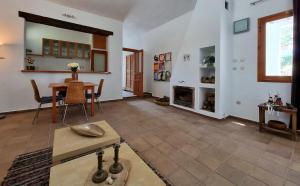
x=207, y=85
x=49, y=71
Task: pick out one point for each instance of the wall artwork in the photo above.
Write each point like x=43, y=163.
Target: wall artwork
x=162, y=67
x=168, y=56
x=241, y=26
x=162, y=57
x=186, y=57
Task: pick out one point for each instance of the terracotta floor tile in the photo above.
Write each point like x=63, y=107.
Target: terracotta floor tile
x=232, y=174
x=250, y=181
x=217, y=180
x=267, y=177
x=293, y=176
x=198, y=170
x=183, y=178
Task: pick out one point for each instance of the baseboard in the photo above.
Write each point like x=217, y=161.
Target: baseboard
x=242, y=119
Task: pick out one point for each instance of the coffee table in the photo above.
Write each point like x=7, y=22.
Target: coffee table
x=69, y=145
x=76, y=172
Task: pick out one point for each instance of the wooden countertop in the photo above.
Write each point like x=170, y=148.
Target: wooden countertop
x=62, y=71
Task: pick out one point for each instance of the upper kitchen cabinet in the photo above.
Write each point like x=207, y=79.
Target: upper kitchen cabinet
x=65, y=49
x=99, y=42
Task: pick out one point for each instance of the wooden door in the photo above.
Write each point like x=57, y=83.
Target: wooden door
x=138, y=73
x=129, y=72
x=134, y=73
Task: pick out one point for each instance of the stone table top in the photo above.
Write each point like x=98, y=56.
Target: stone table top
x=76, y=172
x=68, y=144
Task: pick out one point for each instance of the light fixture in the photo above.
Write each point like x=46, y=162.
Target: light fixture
x=1, y=57
x=70, y=16
x=256, y=2
x=1, y=115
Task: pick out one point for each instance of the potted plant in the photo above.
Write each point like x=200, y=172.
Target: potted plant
x=209, y=61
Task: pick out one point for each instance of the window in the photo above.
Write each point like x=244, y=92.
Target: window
x=99, y=61
x=275, y=47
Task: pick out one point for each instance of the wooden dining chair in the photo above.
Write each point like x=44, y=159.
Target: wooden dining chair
x=75, y=96
x=41, y=100
x=63, y=92
x=97, y=94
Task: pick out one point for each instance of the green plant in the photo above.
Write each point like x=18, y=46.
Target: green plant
x=209, y=61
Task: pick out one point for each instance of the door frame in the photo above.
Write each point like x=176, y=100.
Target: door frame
x=142, y=62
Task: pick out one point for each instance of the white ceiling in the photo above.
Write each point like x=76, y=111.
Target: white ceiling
x=137, y=15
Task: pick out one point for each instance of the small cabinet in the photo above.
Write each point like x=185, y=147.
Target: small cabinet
x=64, y=49
x=46, y=47
x=71, y=51
x=79, y=51
x=87, y=50
x=55, y=48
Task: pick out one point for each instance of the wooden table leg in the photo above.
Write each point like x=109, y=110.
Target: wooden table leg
x=53, y=105
x=93, y=102
x=86, y=103
x=262, y=119
x=294, y=126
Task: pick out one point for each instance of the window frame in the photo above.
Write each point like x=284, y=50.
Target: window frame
x=261, y=55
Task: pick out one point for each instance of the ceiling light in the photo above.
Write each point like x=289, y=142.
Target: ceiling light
x=70, y=16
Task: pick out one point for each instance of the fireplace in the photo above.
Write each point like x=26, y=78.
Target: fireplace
x=184, y=96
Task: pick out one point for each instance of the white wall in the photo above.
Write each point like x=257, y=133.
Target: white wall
x=16, y=92
x=166, y=38
x=245, y=87
x=242, y=85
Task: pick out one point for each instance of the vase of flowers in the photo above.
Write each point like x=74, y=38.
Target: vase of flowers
x=74, y=68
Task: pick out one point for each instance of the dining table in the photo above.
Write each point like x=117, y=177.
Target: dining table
x=88, y=86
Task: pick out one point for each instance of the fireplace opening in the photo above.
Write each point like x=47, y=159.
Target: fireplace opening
x=184, y=96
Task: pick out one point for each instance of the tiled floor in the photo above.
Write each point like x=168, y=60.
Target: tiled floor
x=187, y=148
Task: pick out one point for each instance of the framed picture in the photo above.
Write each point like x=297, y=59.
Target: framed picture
x=186, y=57
x=241, y=26
x=168, y=56
x=162, y=57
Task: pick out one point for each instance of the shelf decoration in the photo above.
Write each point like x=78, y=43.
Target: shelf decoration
x=206, y=79
x=209, y=61
x=168, y=56
x=162, y=67
x=209, y=102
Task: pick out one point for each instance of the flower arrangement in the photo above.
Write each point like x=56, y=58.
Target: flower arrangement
x=74, y=67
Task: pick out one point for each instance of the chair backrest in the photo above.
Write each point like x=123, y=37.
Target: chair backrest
x=36, y=92
x=67, y=80
x=99, y=92
x=75, y=93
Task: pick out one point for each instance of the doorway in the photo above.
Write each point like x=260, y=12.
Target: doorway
x=132, y=73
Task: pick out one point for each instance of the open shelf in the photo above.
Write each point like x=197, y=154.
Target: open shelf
x=207, y=85
x=206, y=51
x=207, y=99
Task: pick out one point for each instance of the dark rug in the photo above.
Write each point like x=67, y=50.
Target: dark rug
x=33, y=169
